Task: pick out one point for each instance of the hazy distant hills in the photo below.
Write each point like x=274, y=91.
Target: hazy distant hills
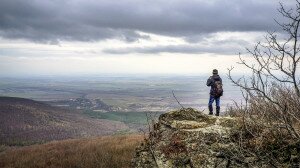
x=25, y=121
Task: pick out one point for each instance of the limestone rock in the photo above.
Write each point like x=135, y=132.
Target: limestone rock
x=187, y=138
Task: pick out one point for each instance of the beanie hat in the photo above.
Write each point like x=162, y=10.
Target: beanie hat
x=215, y=71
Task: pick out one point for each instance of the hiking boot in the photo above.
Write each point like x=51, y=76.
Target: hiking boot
x=218, y=111
x=210, y=110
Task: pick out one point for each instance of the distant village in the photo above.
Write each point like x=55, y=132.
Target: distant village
x=83, y=103
x=100, y=106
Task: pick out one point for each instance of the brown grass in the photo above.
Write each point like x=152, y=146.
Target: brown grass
x=269, y=131
x=106, y=152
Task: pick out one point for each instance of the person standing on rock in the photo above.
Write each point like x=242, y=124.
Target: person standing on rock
x=216, y=91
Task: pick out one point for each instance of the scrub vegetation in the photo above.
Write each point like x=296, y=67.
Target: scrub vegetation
x=103, y=152
x=270, y=131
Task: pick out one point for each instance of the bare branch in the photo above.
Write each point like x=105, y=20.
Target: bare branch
x=177, y=100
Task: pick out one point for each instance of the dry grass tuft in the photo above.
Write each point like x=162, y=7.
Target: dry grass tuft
x=108, y=151
x=269, y=132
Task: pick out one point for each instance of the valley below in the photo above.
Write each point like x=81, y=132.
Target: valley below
x=38, y=110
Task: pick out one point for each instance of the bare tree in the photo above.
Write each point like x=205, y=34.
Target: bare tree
x=272, y=93
x=276, y=60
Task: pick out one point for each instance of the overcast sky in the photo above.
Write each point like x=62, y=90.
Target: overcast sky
x=54, y=37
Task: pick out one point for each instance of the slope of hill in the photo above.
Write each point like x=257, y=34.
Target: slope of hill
x=102, y=152
x=24, y=121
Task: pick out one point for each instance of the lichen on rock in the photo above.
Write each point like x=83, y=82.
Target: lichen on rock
x=187, y=138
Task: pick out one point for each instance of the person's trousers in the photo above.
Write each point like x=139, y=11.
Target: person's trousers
x=212, y=99
x=210, y=105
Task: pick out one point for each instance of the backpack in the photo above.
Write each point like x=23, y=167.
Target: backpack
x=218, y=88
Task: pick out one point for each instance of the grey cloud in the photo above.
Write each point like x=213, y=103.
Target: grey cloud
x=186, y=49
x=227, y=47
x=91, y=20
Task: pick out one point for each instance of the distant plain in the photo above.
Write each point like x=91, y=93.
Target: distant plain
x=119, y=100
x=138, y=94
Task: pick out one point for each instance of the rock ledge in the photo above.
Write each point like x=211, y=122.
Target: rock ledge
x=187, y=138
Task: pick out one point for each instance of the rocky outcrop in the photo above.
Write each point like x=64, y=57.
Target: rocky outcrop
x=187, y=138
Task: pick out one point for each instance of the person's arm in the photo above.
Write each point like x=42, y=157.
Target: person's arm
x=209, y=81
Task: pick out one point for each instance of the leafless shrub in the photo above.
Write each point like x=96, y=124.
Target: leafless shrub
x=270, y=130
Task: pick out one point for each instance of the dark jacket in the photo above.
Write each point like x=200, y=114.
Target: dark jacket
x=211, y=80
